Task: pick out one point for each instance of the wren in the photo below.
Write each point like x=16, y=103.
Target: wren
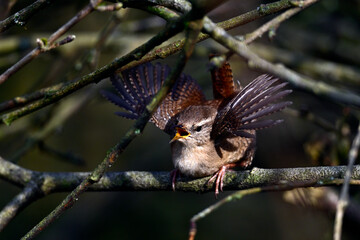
x=207, y=136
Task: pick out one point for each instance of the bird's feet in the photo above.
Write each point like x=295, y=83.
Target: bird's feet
x=219, y=176
x=173, y=174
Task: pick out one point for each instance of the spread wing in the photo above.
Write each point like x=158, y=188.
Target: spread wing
x=245, y=111
x=138, y=85
x=223, y=83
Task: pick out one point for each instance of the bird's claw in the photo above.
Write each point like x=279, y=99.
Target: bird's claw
x=173, y=175
x=219, y=183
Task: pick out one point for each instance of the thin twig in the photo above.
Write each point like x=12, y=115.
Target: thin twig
x=20, y=18
x=344, y=196
x=109, y=7
x=15, y=174
x=30, y=97
x=275, y=22
x=331, y=71
x=106, y=32
x=240, y=194
x=46, y=45
x=29, y=194
x=270, y=25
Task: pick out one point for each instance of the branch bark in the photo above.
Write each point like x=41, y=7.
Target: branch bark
x=344, y=196
x=46, y=45
x=51, y=182
x=38, y=184
x=23, y=15
x=28, y=195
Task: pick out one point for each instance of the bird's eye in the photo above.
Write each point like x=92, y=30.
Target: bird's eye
x=198, y=129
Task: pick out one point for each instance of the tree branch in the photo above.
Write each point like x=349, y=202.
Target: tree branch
x=281, y=186
x=344, y=196
x=51, y=182
x=15, y=174
x=46, y=45
x=316, y=67
x=23, y=15
x=28, y=195
x=271, y=25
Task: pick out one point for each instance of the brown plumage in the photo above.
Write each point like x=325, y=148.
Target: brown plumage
x=222, y=81
x=208, y=136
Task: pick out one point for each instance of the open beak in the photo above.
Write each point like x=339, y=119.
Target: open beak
x=180, y=133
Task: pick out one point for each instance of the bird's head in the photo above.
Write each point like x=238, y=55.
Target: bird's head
x=194, y=124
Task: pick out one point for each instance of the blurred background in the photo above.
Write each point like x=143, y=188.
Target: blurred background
x=322, y=38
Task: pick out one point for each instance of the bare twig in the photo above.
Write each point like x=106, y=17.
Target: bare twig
x=240, y=194
x=15, y=174
x=29, y=194
x=23, y=15
x=46, y=45
x=272, y=25
x=30, y=97
x=316, y=67
x=275, y=22
x=213, y=207
x=323, y=200
x=108, y=29
x=344, y=196
x=110, y=7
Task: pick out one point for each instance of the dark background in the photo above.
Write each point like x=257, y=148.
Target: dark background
x=324, y=31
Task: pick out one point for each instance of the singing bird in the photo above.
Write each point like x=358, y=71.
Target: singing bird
x=207, y=136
